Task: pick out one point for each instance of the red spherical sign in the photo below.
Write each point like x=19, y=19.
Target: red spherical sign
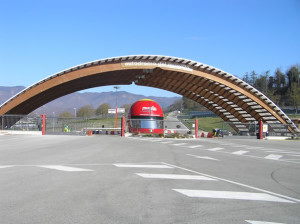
x=146, y=116
x=145, y=107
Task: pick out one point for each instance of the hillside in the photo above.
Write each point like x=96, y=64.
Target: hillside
x=77, y=100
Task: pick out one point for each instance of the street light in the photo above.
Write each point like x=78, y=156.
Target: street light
x=116, y=123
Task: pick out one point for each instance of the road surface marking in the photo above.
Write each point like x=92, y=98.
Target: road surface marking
x=237, y=146
x=195, y=146
x=214, y=149
x=166, y=142
x=143, y=166
x=235, y=183
x=174, y=176
x=8, y=166
x=225, y=143
x=262, y=222
x=178, y=144
x=273, y=157
x=255, y=147
x=65, y=168
x=241, y=152
x=202, y=157
x=231, y=195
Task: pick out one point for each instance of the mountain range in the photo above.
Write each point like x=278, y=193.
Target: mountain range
x=78, y=99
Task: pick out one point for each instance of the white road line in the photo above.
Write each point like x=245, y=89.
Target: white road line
x=143, y=166
x=195, y=146
x=274, y=151
x=237, y=146
x=262, y=222
x=166, y=142
x=64, y=168
x=178, y=144
x=203, y=157
x=231, y=195
x=214, y=149
x=225, y=143
x=241, y=152
x=233, y=182
x=290, y=153
x=8, y=166
x=255, y=147
x=174, y=176
x=273, y=157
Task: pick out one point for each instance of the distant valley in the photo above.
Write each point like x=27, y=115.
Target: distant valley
x=76, y=100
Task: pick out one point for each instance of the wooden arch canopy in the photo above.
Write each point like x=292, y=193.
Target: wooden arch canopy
x=226, y=95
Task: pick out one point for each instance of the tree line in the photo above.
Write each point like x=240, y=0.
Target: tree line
x=90, y=111
x=282, y=88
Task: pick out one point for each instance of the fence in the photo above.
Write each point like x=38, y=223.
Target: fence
x=20, y=122
x=79, y=126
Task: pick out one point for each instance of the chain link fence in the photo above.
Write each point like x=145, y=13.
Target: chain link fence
x=20, y=122
x=80, y=126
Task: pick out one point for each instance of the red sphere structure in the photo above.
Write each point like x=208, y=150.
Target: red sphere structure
x=146, y=116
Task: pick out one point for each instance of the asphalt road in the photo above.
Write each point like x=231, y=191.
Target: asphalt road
x=172, y=123
x=109, y=179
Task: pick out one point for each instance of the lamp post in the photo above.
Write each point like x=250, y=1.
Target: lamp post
x=116, y=123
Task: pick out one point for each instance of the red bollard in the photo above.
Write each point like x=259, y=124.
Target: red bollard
x=123, y=126
x=196, y=128
x=261, y=124
x=43, y=124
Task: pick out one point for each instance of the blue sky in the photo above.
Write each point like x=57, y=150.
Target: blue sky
x=42, y=37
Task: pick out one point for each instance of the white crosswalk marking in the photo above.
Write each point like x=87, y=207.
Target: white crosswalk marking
x=273, y=157
x=238, y=146
x=254, y=147
x=8, y=166
x=231, y=195
x=241, y=152
x=214, y=149
x=178, y=144
x=64, y=168
x=174, y=176
x=195, y=146
x=262, y=222
x=168, y=142
x=142, y=166
x=202, y=157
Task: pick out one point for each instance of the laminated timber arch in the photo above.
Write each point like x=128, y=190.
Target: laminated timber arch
x=226, y=95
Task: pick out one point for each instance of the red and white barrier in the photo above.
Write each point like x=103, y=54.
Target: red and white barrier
x=112, y=132
x=206, y=135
